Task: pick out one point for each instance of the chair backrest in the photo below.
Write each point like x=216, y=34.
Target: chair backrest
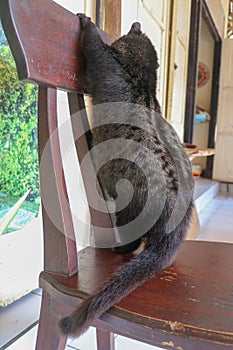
x=45, y=42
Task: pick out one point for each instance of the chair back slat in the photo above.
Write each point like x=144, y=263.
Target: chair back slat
x=59, y=236
x=101, y=220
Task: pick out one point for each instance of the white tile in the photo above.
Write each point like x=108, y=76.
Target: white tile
x=203, y=185
x=37, y=291
x=17, y=317
x=26, y=342
x=226, y=188
x=20, y=267
x=205, y=193
x=123, y=343
x=217, y=219
x=86, y=341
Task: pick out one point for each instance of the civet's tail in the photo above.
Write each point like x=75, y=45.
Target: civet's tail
x=128, y=277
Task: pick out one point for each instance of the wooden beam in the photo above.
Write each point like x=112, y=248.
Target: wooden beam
x=112, y=25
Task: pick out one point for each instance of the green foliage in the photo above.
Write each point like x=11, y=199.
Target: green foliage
x=9, y=216
x=18, y=130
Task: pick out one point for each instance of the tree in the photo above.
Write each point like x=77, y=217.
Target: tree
x=18, y=130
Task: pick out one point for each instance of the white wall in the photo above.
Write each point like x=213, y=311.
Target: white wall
x=223, y=164
x=75, y=6
x=71, y=5
x=129, y=10
x=218, y=9
x=179, y=59
x=154, y=18
x=206, y=56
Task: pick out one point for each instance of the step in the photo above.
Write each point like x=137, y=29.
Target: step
x=205, y=190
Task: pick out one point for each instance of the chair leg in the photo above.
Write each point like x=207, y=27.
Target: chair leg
x=48, y=337
x=105, y=340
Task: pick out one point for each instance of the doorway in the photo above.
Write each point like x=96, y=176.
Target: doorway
x=202, y=82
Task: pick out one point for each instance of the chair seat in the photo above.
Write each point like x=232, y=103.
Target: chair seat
x=192, y=298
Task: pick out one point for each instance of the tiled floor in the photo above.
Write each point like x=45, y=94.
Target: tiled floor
x=217, y=219
x=85, y=342
x=17, y=318
x=17, y=321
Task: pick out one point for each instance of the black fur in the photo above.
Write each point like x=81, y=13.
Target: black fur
x=126, y=72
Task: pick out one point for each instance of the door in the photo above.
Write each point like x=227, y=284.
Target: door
x=223, y=160
x=178, y=64
x=154, y=16
x=166, y=22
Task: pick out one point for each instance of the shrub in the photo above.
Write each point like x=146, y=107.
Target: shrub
x=18, y=130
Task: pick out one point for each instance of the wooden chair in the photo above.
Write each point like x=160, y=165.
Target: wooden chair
x=189, y=305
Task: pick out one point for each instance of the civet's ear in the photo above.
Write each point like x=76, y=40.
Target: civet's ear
x=135, y=28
